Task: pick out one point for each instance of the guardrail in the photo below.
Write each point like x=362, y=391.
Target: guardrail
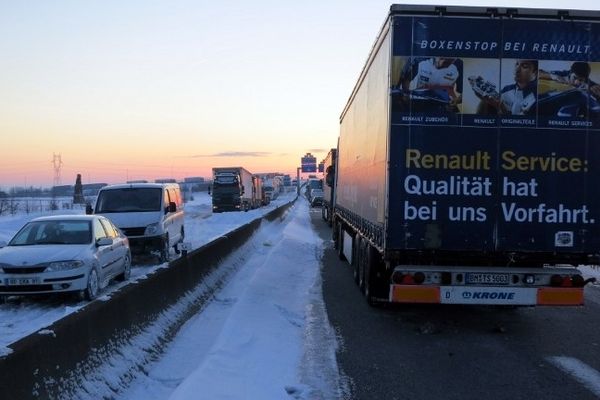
x=55, y=365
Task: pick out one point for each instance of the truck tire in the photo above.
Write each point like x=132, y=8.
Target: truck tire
x=357, y=260
x=374, y=281
x=340, y=241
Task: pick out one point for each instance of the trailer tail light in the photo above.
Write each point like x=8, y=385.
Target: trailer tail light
x=419, y=278
x=401, y=278
x=578, y=281
x=556, y=280
x=567, y=281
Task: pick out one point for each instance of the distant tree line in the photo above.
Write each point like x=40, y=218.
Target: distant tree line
x=20, y=191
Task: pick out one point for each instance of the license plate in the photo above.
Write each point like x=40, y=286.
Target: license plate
x=487, y=279
x=22, y=281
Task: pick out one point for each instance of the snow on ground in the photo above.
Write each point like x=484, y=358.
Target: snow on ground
x=264, y=336
x=22, y=316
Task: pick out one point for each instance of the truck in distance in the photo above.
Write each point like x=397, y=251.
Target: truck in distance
x=232, y=189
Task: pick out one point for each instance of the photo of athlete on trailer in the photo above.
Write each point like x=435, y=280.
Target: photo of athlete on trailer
x=516, y=98
x=429, y=84
x=566, y=90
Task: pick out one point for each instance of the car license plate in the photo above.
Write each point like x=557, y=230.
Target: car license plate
x=22, y=281
x=487, y=279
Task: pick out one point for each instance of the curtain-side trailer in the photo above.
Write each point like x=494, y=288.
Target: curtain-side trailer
x=467, y=163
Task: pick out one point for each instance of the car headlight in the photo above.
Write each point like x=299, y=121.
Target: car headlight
x=151, y=229
x=64, y=265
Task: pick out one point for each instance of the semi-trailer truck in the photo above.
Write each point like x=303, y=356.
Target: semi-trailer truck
x=467, y=163
x=232, y=189
x=328, y=185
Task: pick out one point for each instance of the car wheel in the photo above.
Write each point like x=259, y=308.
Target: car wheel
x=126, y=268
x=93, y=285
x=177, y=251
x=164, y=252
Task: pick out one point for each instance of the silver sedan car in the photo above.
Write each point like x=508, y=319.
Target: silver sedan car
x=64, y=253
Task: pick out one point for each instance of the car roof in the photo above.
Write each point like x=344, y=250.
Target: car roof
x=69, y=217
x=139, y=186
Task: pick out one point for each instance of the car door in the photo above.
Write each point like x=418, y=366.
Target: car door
x=104, y=254
x=118, y=248
x=176, y=218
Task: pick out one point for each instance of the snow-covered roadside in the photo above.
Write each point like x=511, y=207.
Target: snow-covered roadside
x=22, y=316
x=265, y=335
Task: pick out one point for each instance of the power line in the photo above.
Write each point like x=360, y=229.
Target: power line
x=56, y=165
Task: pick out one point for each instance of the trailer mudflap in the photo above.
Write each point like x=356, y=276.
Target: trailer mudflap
x=414, y=294
x=560, y=296
x=486, y=295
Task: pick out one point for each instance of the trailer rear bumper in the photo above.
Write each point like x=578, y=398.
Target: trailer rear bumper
x=486, y=295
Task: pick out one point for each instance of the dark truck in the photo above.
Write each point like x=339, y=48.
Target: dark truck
x=455, y=181
x=232, y=189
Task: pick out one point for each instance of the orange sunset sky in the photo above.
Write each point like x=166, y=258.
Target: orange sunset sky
x=136, y=89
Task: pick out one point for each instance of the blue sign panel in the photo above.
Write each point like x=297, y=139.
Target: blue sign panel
x=309, y=163
x=516, y=167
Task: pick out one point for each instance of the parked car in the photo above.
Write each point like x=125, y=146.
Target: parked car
x=316, y=197
x=64, y=253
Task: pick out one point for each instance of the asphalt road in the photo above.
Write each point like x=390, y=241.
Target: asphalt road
x=460, y=352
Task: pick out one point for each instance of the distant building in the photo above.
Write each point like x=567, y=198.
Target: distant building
x=194, y=184
x=62, y=190
x=194, y=179
x=165, y=180
x=91, y=189
x=137, y=181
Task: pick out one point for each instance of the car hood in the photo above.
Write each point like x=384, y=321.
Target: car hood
x=38, y=254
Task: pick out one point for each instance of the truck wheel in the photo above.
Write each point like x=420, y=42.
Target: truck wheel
x=357, y=261
x=334, y=235
x=361, y=264
x=373, y=283
x=340, y=240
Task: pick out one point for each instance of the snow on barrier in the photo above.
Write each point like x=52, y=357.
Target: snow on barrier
x=58, y=361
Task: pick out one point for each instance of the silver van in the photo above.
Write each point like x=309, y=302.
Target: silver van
x=150, y=214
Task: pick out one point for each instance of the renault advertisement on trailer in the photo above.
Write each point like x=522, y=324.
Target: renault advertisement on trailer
x=493, y=134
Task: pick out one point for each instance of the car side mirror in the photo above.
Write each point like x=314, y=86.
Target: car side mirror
x=2, y=244
x=209, y=190
x=105, y=241
x=172, y=207
x=88, y=209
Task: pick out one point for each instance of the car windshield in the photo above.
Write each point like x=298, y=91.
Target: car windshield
x=53, y=232
x=129, y=200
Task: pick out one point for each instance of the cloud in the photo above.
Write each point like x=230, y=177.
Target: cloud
x=235, y=154
x=318, y=150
